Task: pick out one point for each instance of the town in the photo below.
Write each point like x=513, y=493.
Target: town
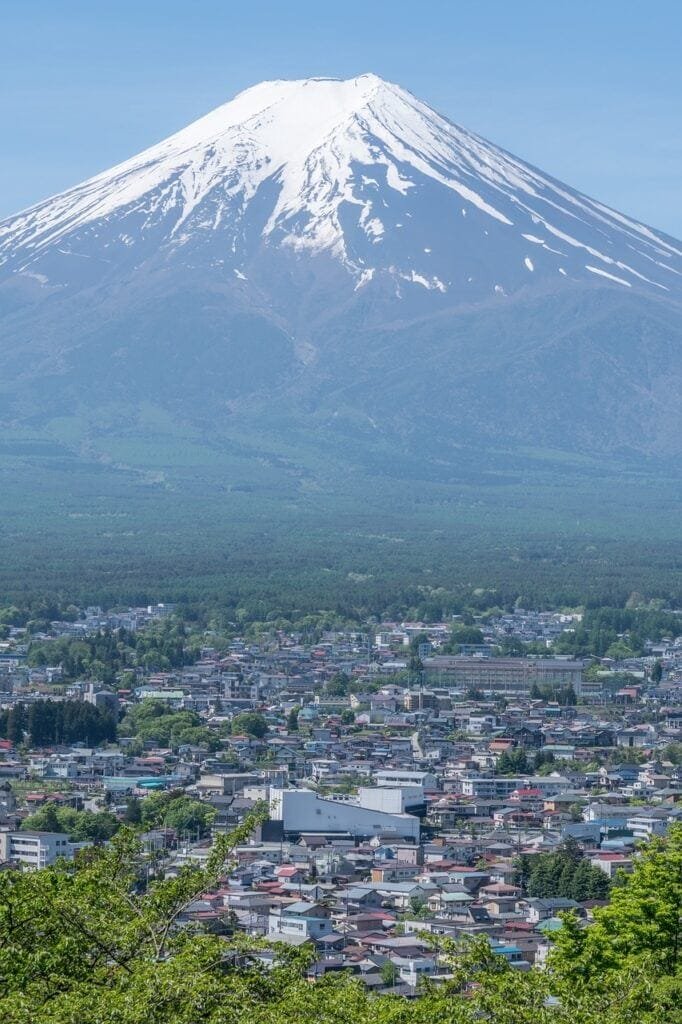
x=473, y=777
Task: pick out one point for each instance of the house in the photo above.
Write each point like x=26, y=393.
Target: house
x=450, y=904
x=644, y=826
x=611, y=863
x=394, y=871
x=299, y=921
x=637, y=736
x=362, y=898
x=412, y=969
x=537, y=910
x=290, y=873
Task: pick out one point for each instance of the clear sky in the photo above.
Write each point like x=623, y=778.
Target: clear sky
x=589, y=91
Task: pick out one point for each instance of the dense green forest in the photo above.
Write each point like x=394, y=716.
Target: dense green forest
x=91, y=942
x=45, y=722
x=160, y=647
x=564, y=873
x=208, y=529
x=154, y=720
x=80, y=826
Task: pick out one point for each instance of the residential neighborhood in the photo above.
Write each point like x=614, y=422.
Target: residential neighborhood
x=412, y=786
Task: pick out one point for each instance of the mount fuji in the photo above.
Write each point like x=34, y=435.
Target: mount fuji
x=329, y=276
x=357, y=170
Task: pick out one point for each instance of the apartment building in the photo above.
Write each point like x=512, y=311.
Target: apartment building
x=503, y=675
x=35, y=850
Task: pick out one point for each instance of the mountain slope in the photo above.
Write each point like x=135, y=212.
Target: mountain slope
x=328, y=263
x=360, y=170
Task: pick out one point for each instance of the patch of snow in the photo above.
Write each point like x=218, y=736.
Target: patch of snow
x=394, y=181
x=630, y=270
x=611, y=277
x=374, y=228
x=42, y=278
x=557, y=252
x=365, y=277
x=425, y=282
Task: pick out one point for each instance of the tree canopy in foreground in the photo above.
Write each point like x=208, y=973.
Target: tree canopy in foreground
x=88, y=943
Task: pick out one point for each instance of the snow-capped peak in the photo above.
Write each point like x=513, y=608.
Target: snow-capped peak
x=361, y=170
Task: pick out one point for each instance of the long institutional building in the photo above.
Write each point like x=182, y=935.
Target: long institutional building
x=503, y=675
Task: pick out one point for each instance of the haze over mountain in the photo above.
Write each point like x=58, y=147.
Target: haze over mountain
x=333, y=281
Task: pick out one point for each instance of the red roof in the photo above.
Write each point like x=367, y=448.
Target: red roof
x=273, y=888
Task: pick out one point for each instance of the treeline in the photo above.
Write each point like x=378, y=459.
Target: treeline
x=565, y=696
x=620, y=631
x=44, y=723
x=518, y=761
x=80, y=826
x=153, y=720
x=172, y=809
x=103, y=656
x=562, y=874
x=309, y=601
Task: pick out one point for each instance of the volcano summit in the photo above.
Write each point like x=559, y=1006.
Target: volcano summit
x=359, y=171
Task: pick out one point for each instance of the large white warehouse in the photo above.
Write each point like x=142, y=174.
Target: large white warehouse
x=301, y=810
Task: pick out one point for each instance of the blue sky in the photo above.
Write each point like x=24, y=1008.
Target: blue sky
x=589, y=91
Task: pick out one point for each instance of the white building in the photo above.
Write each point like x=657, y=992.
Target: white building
x=301, y=810
x=393, y=800
x=35, y=849
x=644, y=826
x=299, y=921
x=406, y=778
x=496, y=787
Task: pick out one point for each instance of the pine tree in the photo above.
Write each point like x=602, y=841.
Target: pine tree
x=133, y=813
x=582, y=885
x=565, y=881
x=16, y=724
x=292, y=720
